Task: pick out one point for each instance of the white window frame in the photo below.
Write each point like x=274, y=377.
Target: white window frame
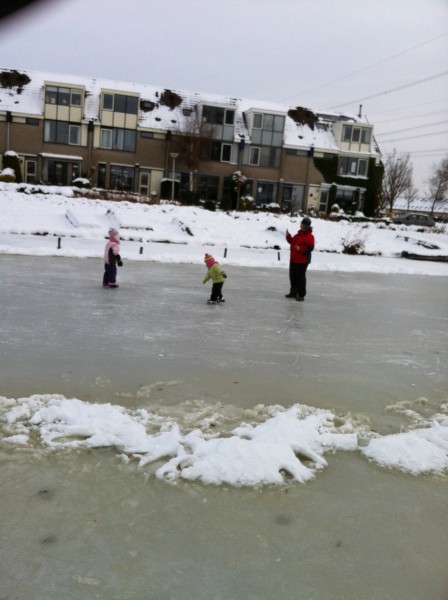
x=260, y=115
x=223, y=147
x=109, y=133
x=72, y=129
x=254, y=150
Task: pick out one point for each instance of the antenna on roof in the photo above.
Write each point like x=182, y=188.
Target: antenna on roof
x=360, y=111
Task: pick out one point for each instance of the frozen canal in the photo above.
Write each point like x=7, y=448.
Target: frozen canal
x=85, y=524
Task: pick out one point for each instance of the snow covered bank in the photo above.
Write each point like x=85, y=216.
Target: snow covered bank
x=58, y=224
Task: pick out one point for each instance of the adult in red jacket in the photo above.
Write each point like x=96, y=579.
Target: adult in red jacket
x=302, y=244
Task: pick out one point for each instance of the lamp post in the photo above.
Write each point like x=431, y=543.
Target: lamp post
x=173, y=155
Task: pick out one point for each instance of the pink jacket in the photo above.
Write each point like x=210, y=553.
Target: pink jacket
x=113, y=247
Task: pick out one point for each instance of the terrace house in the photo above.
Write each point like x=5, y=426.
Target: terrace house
x=132, y=137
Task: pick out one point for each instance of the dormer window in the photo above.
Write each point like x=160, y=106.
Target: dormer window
x=215, y=115
x=356, y=134
x=120, y=103
x=62, y=96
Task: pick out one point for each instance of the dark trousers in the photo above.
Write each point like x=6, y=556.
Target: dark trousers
x=216, y=291
x=110, y=274
x=297, y=278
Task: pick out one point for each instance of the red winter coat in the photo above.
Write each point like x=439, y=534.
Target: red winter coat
x=302, y=245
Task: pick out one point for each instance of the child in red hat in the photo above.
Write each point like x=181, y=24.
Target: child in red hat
x=218, y=276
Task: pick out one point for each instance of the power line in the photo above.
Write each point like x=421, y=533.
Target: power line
x=367, y=68
x=401, y=108
x=412, y=137
x=411, y=128
x=425, y=153
x=401, y=87
x=437, y=112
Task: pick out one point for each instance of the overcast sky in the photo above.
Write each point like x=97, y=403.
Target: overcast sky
x=322, y=54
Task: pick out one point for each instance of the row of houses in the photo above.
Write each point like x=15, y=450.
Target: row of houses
x=133, y=137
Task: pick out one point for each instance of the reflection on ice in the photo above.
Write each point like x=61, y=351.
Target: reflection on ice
x=270, y=446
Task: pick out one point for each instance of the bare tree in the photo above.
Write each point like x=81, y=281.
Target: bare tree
x=438, y=182
x=193, y=140
x=397, y=179
x=410, y=194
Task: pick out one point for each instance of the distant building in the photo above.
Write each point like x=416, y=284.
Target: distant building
x=423, y=206
x=126, y=136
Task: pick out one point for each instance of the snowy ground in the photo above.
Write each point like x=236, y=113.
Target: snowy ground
x=61, y=225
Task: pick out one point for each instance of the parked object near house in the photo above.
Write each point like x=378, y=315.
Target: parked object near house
x=414, y=219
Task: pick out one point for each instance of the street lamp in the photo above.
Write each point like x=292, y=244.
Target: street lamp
x=173, y=155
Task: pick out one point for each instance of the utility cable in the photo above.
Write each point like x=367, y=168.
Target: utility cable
x=412, y=137
x=367, y=68
x=411, y=128
x=401, y=87
x=437, y=112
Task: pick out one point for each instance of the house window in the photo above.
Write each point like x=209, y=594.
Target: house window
x=108, y=101
x=106, y=138
x=258, y=121
x=226, y=152
x=221, y=152
x=147, y=134
x=61, y=132
x=229, y=117
x=31, y=170
x=356, y=134
x=352, y=167
x=74, y=135
x=266, y=193
x=216, y=115
x=346, y=133
x=270, y=157
x=75, y=97
x=268, y=122
x=62, y=96
x=118, y=139
x=208, y=187
x=362, y=168
x=30, y=121
x=101, y=175
x=254, y=156
x=125, y=104
x=121, y=178
x=366, y=135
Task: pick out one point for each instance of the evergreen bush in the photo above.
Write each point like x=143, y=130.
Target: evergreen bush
x=166, y=189
x=10, y=160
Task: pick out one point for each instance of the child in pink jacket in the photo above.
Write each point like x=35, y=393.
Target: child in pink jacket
x=112, y=258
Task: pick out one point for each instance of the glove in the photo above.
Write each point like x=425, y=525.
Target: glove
x=120, y=263
x=224, y=275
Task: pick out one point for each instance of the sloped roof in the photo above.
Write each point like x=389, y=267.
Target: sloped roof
x=28, y=98
x=421, y=205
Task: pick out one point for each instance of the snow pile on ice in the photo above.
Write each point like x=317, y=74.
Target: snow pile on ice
x=287, y=444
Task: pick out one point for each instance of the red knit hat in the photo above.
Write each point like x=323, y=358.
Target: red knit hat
x=208, y=257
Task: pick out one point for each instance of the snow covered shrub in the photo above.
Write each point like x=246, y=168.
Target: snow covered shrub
x=7, y=175
x=82, y=182
x=247, y=203
x=10, y=160
x=353, y=243
x=209, y=205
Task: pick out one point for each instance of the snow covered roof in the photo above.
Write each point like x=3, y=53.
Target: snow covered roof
x=421, y=205
x=23, y=93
